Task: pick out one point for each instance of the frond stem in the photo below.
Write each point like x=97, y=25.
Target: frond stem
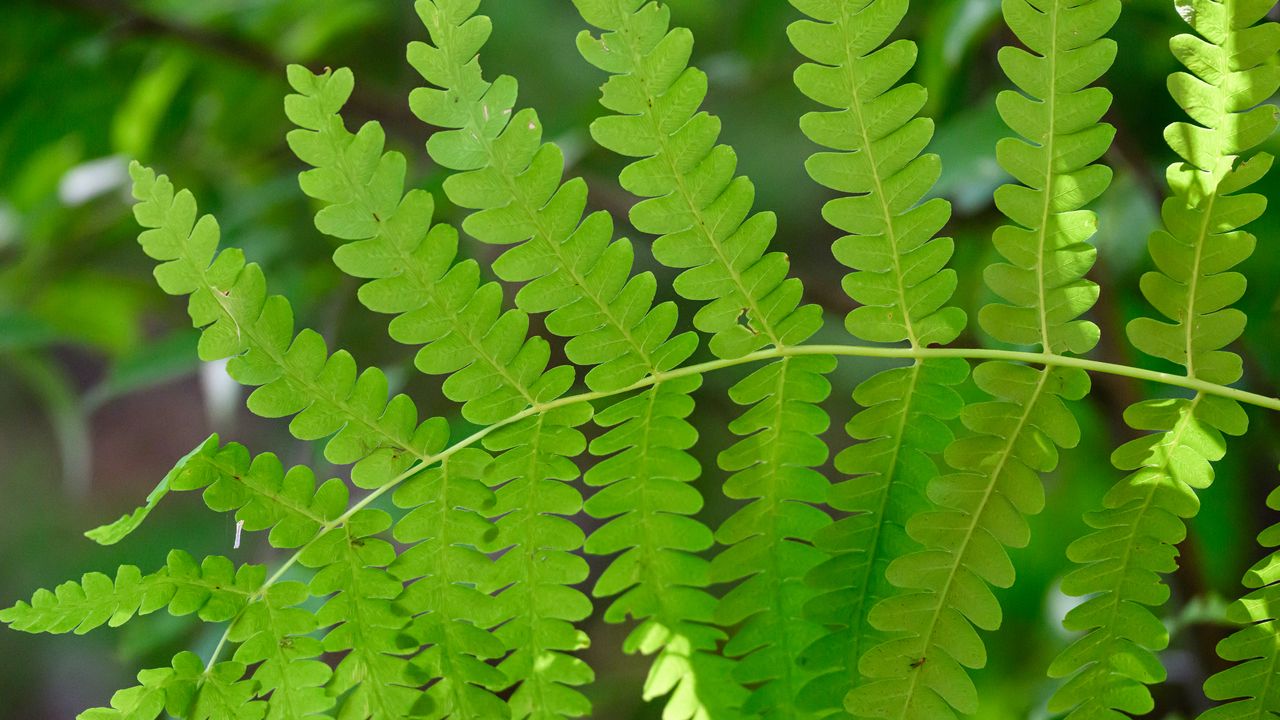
x=889, y=353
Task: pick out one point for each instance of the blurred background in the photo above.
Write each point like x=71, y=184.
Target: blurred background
x=100, y=390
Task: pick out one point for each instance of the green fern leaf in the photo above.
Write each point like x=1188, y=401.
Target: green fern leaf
x=900, y=281
x=214, y=589
x=646, y=496
x=298, y=377
x=583, y=279
x=702, y=215
x=444, y=561
x=698, y=208
x=275, y=639
x=513, y=180
x=295, y=375
x=1193, y=286
x=490, y=369
x=1254, y=684
x=364, y=621
x=257, y=489
x=412, y=273
x=222, y=694
x=113, y=533
x=272, y=632
x=140, y=702
x=186, y=689
x=919, y=672
x=493, y=369
x=465, y=603
x=901, y=284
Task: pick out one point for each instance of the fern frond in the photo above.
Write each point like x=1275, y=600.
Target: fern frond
x=491, y=369
x=271, y=631
x=144, y=701
x=1193, y=286
x=186, y=689
x=298, y=377
x=412, y=274
x=580, y=276
x=702, y=215
x=221, y=693
x=374, y=677
x=902, y=284
x=444, y=563
x=514, y=181
x=919, y=672
x=646, y=496
x=257, y=489
x=696, y=206
x=275, y=639
x=295, y=375
x=213, y=589
x=900, y=279
x=1131, y=546
x=1253, y=685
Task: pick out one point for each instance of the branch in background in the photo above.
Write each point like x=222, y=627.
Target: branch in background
x=120, y=18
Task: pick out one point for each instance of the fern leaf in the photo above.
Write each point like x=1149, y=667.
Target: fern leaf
x=900, y=278
x=646, y=497
x=363, y=620
x=493, y=368
x=295, y=375
x=702, y=215
x=214, y=589
x=919, y=672
x=185, y=689
x=271, y=631
x=275, y=639
x=1254, y=683
x=495, y=374
x=113, y=533
x=222, y=694
x=298, y=377
x=695, y=204
x=490, y=368
x=257, y=489
x=444, y=562
x=902, y=286
x=513, y=181
x=584, y=280
x=140, y=702
x=1193, y=286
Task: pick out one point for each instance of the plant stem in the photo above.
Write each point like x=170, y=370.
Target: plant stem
x=899, y=353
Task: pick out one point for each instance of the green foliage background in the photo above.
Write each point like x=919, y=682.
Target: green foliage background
x=100, y=390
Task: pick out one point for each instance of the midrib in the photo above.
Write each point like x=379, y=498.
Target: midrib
x=1174, y=441
x=536, y=678
x=1042, y=240
x=664, y=150
x=457, y=684
x=890, y=230
x=976, y=515
x=354, y=565
x=315, y=391
x=1042, y=236
x=777, y=539
x=540, y=229
x=859, y=623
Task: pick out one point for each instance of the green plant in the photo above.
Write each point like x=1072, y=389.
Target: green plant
x=857, y=598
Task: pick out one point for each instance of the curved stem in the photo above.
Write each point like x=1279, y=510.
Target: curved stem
x=899, y=353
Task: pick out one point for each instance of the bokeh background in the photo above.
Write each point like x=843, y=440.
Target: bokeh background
x=100, y=391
